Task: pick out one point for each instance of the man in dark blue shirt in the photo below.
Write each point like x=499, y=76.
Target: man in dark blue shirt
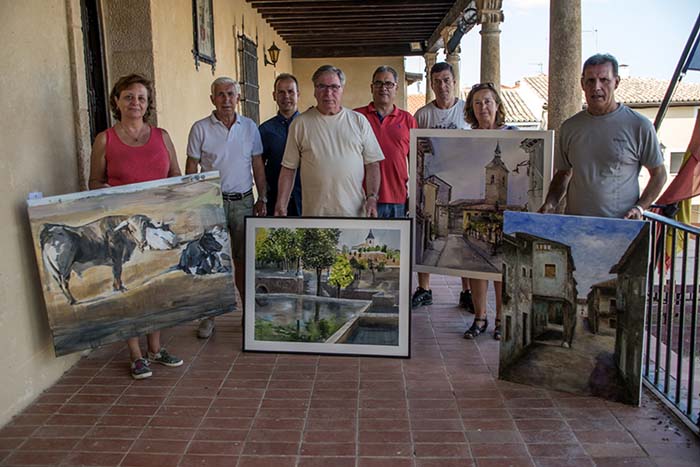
x=274, y=137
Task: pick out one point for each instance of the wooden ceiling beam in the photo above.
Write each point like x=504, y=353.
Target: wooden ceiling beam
x=321, y=35
x=420, y=19
x=391, y=50
x=291, y=4
x=425, y=17
x=435, y=41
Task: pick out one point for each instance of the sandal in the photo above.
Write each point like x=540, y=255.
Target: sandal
x=475, y=329
x=497, y=330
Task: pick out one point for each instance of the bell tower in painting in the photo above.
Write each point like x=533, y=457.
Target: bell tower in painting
x=496, y=180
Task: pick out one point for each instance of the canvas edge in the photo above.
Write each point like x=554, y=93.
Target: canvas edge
x=133, y=187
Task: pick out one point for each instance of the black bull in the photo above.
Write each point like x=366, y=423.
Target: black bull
x=109, y=241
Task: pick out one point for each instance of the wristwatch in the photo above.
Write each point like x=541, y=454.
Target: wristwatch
x=263, y=199
x=372, y=195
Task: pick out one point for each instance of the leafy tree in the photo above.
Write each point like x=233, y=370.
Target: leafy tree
x=281, y=246
x=384, y=248
x=319, y=250
x=341, y=274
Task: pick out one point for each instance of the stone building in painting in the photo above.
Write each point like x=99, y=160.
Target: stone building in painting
x=630, y=304
x=539, y=293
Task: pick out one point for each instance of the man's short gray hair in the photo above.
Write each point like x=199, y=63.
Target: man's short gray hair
x=225, y=80
x=601, y=59
x=323, y=69
x=386, y=69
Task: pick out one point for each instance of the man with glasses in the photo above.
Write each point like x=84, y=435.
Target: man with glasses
x=446, y=111
x=392, y=127
x=336, y=150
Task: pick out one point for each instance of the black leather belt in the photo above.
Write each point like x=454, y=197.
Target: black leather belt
x=236, y=196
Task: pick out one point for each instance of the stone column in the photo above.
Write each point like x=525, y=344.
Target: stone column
x=564, y=99
x=430, y=59
x=489, y=16
x=453, y=59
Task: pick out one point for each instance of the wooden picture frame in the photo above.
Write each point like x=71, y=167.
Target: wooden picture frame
x=203, y=32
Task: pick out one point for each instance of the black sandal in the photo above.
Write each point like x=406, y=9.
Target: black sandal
x=475, y=329
x=497, y=330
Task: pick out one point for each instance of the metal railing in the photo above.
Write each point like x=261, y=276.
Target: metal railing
x=671, y=362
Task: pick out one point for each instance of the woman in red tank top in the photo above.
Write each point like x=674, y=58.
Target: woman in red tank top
x=132, y=151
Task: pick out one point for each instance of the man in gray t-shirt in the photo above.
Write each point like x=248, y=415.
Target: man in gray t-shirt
x=601, y=151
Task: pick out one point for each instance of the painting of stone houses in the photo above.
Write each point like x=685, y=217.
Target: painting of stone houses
x=327, y=285
x=464, y=182
x=554, y=266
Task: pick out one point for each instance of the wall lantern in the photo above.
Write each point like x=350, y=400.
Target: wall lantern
x=274, y=53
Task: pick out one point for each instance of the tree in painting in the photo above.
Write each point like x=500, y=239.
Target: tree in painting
x=341, y=274
x=319, y=250
x=280, y=246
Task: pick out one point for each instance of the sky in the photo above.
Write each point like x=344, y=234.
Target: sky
x=476, y=153
x=352, y=237
x=647, y=35
x=597, y=244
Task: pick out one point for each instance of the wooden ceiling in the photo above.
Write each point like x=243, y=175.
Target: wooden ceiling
x=347, y=28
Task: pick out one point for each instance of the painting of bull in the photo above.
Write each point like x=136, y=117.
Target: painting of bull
x=124, y=261
x=207, y=254
x=109, y=241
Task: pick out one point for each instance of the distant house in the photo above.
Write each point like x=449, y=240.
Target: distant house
x=602, y=306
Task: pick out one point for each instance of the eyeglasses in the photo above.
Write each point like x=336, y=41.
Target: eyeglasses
x=384, y=84
x=329, y=87
x=483, y=86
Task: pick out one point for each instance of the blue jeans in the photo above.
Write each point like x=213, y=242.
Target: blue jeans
x=389, y=210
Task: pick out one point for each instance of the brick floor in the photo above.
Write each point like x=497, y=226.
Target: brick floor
x=443, y=407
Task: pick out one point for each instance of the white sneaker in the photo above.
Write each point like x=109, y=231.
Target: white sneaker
x=206, y=327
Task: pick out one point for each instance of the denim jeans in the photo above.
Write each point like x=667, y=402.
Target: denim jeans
x=389, y=210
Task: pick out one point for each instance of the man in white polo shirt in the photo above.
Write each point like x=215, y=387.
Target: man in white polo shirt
x=230, y=143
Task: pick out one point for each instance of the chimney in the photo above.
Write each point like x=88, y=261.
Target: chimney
x=624, y=71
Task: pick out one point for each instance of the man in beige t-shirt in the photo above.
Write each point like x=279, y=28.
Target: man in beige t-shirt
x=335, y=149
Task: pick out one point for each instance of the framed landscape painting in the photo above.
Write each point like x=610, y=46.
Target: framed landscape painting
x=464, y=181
x=328, y=286
x=574, y=292
x=124, y=261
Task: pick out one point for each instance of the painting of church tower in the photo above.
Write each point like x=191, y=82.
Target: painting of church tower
x=370, y=241
x=496, y=180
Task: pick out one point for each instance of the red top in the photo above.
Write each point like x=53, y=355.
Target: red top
x=393, y=134
x=134, y=164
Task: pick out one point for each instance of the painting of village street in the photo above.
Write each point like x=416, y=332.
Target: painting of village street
x=327, y=286
x=574, y=293
x=464, y=182
x=124, y=261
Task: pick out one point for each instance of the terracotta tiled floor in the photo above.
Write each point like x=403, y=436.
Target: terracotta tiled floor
x=443, y=407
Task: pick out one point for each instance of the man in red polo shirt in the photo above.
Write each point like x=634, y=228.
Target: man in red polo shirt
x=392, y=128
